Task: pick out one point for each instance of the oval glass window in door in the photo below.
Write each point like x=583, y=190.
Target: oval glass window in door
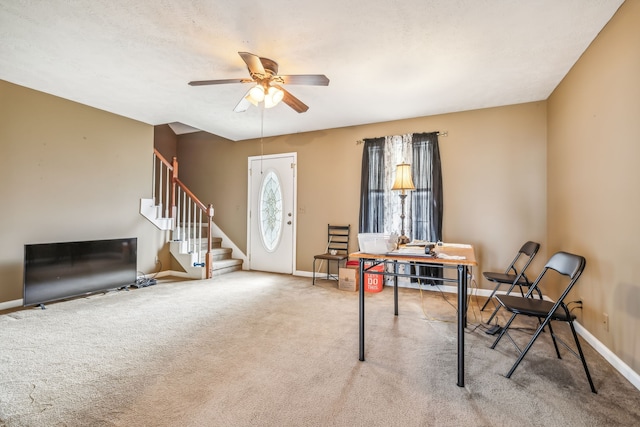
x=271, y=214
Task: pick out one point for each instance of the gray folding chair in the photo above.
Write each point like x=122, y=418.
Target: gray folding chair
x=565, y=264
x=514, y=275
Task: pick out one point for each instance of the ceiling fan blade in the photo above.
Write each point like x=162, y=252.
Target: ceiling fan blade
x=292, y=101
x=218, y=82
x=245, y=103
x=304, y=79
x=253, y=63
x=242, y=106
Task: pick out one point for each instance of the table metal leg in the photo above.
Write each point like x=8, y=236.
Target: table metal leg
x=395, y=287
x=361, y=301
x=462, y=320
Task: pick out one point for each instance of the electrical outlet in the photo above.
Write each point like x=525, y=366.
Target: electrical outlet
x=605, y=321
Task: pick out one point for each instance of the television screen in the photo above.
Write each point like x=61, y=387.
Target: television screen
x=53, y=271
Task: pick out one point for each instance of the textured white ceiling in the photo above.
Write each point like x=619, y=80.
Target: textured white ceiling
x=386, y=59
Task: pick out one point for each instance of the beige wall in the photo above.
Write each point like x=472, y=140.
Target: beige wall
x=165, y=141
x=70, y=172
x=494, y=174
x=593, y=188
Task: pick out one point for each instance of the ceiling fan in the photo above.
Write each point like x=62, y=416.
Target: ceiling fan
x=264, y=73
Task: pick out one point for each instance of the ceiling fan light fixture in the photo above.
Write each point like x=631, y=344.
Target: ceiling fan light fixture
x=264, y=74
x=273, y=97
x=257, y=94
x=277, y=95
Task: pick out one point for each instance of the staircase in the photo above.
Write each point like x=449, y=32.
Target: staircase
x=195, y=241
x=194, y=266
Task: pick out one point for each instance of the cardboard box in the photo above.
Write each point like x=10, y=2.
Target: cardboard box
x=348, y=279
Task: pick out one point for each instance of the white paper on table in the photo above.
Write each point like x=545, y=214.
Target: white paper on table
x=445, y=256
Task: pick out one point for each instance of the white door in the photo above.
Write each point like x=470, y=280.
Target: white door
x=271, y=222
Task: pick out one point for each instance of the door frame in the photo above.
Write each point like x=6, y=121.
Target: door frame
x=294, y=205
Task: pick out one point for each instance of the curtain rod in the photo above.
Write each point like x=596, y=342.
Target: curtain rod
x=443, y=133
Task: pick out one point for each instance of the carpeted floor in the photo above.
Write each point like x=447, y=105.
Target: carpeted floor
x=260, y=349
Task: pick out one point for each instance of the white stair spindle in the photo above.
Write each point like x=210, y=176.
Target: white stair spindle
x=153, y=177
x=160, y=188
x=178, y=207
x=199, y=235
x=167, y=197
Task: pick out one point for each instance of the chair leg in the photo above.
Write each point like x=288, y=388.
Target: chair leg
x=526, y=349
x=490, y=296
x=582, y=359
x=313, y=281
x=553, y=338
x=504, y=330
x=493, y=314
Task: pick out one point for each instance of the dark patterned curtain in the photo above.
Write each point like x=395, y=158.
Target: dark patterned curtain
x=372, y=187
x=426, y=212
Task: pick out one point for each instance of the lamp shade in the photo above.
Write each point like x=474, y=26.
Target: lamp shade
x=273, y=97
x=257, y=94
x=277, y=95
x=403, y=178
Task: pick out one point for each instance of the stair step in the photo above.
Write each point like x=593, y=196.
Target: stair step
x=221, y=253
x=226, y=266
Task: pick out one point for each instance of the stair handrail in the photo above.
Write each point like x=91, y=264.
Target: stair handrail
x=180, y=208
x=191, y=195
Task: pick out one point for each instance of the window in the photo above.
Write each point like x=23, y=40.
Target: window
x=270, y=211
x=380, y=207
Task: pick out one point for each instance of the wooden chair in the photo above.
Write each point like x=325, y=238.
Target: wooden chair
x=337, y=250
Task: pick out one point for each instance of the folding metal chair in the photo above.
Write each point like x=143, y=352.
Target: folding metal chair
x=514, y=275
x=565, y=264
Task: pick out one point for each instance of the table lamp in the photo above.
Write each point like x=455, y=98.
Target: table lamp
x=403, y=183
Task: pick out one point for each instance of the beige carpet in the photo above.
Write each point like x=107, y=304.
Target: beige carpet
x=254, y=349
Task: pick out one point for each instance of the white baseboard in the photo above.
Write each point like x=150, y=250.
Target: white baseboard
x=10, y=304
x=615, y=361
x=170, y=273
x=303, y=273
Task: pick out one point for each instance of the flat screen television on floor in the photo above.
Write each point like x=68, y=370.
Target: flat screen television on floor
x=54, y=271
